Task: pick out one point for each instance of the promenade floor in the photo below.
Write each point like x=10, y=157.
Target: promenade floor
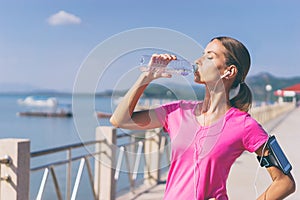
x=246, y=179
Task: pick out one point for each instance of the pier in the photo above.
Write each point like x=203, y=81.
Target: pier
x=142, y=157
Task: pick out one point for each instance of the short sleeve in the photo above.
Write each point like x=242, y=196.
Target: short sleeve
x=163, y=112
x=255, y=135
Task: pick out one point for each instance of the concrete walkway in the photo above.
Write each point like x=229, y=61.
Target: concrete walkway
x=246, y=179
x=145, y=193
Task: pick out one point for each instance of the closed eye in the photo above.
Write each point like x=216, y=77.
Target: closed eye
x=211, y=54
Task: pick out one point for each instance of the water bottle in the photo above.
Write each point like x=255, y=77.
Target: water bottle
x=179, y=66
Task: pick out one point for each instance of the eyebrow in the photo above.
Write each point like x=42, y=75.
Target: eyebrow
x=212, y=52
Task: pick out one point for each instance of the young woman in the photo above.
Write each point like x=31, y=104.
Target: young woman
x=206, y=136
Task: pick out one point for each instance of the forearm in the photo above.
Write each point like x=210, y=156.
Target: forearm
x=124, y=110
x=281, y=187
x=123, y=115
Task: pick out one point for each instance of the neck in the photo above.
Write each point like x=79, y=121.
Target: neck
x=215, y=100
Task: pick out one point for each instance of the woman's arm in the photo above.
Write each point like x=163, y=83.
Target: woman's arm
x=124, y=115
x=282, y=185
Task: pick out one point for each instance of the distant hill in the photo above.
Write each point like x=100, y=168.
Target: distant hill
x=16, y=87
x=258, y=83
x=27, y=89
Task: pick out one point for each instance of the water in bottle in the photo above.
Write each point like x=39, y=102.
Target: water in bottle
x=179, y=66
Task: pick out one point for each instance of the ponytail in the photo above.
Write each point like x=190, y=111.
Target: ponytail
x=243, y=100
x=238, y=55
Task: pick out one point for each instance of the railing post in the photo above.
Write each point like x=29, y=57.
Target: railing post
x=265, y=113
x=152, y=157
x=14, y=183
x=105, y=184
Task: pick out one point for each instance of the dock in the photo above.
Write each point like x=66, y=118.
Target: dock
x=58, y=114
x=45, y=114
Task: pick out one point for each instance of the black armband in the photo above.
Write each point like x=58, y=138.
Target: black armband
x=276, y=157
x=267, y=161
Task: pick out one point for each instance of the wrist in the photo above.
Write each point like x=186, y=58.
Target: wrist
x=145, y=78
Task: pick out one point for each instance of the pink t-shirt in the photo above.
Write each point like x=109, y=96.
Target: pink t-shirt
x=203, y=155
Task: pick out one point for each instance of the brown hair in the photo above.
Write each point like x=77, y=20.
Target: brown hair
x=238, y=55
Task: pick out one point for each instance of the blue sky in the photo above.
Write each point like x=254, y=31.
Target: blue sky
x=44, y=43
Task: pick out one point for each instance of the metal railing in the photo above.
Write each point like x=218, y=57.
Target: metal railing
x=6, y=160
x=134, y=143
x=134, y=155
x=50, y=168
x=265, y=113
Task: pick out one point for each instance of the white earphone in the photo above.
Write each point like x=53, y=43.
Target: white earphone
x=226, y=74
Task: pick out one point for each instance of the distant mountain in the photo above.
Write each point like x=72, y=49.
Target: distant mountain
x=257, y=84
x=176, y=91
x=16, y=88
x=20, y=88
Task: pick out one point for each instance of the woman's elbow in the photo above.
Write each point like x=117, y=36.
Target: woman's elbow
x=119, y=123
x=291, y=185
x=114, y=122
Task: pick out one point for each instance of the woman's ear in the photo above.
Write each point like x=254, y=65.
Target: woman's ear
x=231, y=71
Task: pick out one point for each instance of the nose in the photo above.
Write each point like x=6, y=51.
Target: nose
x=198, y=63
x=195, y=67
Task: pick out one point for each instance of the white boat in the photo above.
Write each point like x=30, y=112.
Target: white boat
x=38, y=101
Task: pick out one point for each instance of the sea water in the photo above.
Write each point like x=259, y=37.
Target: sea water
x=49, y=132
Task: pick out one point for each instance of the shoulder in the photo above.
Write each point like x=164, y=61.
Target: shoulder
x=242, y=115
x=252, y=133
x=178, y=106
x=234, y=114
x=244, y=119
x=183, y=104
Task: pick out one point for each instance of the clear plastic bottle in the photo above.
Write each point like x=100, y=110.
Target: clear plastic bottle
x=179, y=66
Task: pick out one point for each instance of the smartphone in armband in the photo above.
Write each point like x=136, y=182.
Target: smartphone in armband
x=276, y=157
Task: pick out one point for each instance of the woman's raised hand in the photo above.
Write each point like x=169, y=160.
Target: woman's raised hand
x=158, y=64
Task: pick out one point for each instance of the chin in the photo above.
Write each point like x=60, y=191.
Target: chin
x=199, y=81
